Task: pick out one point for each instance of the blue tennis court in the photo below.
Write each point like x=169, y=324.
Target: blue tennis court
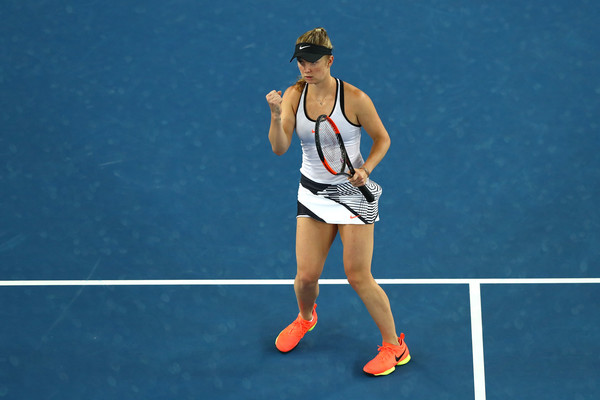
x=147, y=230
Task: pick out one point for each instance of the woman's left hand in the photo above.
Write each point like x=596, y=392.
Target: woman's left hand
x=359, y=178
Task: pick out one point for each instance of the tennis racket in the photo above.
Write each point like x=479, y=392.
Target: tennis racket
x=332, y=151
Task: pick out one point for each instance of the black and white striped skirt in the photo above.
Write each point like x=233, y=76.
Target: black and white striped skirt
x=337, y=204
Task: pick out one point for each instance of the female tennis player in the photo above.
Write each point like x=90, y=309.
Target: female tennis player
x=330, y=204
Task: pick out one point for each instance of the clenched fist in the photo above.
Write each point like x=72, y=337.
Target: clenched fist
x=274, y=99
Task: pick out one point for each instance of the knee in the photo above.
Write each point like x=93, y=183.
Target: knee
x=306, y=278
x=359, y=280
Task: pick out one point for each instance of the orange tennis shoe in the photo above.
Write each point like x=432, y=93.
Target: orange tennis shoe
x=291, y=336
x=389, y=357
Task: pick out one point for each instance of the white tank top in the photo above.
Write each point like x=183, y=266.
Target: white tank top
x=312, y=167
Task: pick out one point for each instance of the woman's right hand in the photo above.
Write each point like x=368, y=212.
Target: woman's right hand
x=274, y=99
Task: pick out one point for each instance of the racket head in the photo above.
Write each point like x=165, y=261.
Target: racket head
x=330, y=147
x=332, y=151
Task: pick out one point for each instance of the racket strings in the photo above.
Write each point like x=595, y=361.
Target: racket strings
x=331, y=147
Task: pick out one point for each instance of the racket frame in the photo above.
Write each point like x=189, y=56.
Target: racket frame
x=351, y=171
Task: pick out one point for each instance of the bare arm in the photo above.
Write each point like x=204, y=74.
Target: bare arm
x=367, y=116
x=283, y=120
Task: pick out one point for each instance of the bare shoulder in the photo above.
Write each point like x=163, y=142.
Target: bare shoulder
x=353, y=92
x=356, y=102
x=292, y=91
x=291, y=97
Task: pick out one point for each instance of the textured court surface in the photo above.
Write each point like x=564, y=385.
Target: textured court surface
x=133, y=146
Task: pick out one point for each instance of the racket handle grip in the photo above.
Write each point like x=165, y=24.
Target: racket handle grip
x=367, y=193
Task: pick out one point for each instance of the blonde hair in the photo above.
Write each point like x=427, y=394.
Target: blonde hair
x=316, y=36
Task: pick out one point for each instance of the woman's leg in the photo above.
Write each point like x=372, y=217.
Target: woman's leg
x=358, y=253
x=313, y=241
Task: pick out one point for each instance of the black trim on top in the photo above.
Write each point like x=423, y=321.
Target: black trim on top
x=334, y=102
x=342, y=104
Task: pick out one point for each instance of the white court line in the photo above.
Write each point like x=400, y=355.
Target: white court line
x=149, y=282
x=226, y=282
x=477, y=340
